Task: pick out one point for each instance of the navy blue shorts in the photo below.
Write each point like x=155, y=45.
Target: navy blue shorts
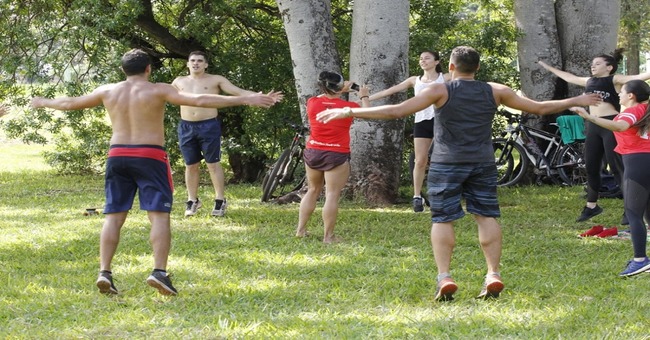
x=200, y=140
x=423, y=129
x=142, y=168
x=448, y=184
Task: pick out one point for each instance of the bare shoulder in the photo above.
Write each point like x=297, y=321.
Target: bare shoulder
x=502, y=93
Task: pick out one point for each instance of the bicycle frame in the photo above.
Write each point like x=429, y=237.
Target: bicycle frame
x=525, y=141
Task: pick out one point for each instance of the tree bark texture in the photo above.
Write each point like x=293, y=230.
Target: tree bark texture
x=539, y=41
x=587, y=28
x=379, y=58
x=308, y=25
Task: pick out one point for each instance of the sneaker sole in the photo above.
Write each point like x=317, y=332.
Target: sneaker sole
x=645, y=269
x=162, y=288
x=446, y=292
x=590, y=217
x=492, y=290
x=105, y=287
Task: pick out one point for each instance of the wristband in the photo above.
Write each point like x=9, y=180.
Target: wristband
x=347, y=111
x=364, y=97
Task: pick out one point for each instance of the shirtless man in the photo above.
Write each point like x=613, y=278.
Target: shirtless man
x=199, y=132
x=137, y=160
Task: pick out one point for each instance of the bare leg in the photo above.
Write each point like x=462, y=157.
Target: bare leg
x=443, y=241
x=421, y=150
x=335, y=180
x=192, y=177
x=315, y=182
x=217, y=178
x=160, y=238
x=110, y=238
x=489, y=235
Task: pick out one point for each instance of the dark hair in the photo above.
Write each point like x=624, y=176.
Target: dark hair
x=613, y=59
x=436, y=56
x=641, y=91
x=330, y=82
x=201, y=53
x=135, y=62
x=465, y=58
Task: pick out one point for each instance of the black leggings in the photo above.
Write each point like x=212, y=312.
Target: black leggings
x=636, y=198
x=600, y=142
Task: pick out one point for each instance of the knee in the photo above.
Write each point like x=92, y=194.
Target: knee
x=192, y=167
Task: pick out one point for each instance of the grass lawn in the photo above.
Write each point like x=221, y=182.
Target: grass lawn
x=246, y=276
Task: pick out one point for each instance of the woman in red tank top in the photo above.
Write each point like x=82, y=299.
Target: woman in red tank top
x=327, y=153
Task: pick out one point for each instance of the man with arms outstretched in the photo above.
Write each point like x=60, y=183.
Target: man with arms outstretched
x=199, y=132
x=137, y=160
x=462, y=164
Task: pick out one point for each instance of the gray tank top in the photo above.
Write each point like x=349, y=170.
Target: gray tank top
x=463, y=125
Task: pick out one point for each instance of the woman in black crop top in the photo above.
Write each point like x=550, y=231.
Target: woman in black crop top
x=600, y=142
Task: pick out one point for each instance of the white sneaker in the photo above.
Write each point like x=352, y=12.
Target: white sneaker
x=219, y=208
x=191, y=207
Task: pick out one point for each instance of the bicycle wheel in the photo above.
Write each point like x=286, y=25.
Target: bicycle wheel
x=274, y=174
x=511, y=162
x=570, y=164
x=504, y=163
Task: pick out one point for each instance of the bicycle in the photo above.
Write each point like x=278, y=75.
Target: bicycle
x=517, y=148
x=286, y=172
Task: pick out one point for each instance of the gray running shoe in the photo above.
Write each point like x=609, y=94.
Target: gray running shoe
x=191, y=207
x=162, y=282
x=418, y=204
x=219, y=208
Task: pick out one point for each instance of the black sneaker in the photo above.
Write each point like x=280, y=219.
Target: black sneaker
x=191, y=207
x=162, y=282
x=588, y=213
x=105, y=283
x=219, y=208
x=418, y=204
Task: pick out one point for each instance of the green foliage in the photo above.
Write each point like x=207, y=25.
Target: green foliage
x=68, y=47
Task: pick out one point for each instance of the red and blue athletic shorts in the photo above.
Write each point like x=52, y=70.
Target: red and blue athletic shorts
x=143, y=168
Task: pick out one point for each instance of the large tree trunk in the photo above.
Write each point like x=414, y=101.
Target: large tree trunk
x=540, y=41
x=311, y=42
x=378, y=57
x=586, y=28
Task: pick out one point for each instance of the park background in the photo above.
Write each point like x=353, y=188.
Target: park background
x=245, y=275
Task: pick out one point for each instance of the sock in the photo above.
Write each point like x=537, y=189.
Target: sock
x=160, y=270
x=493, y=274
x=106, y=271
x=442, y=276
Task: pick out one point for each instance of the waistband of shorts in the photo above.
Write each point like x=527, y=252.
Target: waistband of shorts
x=138, y=150
x=196, y=122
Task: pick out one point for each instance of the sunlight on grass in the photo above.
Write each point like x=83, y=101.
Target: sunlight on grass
x=247, y=276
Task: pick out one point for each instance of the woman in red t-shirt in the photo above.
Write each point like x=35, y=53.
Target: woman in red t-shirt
x=327, y=153
x=631, y=131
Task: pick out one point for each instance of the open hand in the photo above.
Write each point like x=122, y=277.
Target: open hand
x=331, y=114
x=580, y=111
x=261, y=100
x=589, y=99
x=277, y=95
